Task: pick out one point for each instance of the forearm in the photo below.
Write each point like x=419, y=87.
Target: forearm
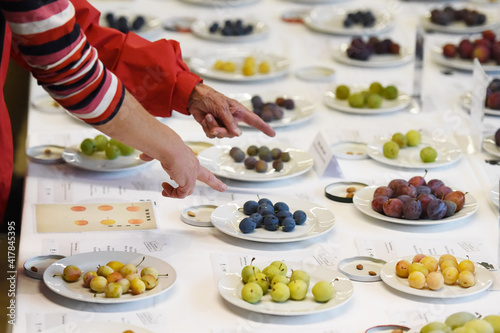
x=134, y=126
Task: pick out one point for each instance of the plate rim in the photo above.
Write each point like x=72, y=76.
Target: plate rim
x=197, y=25
x=426, y=292
x=251, y=307
x=49, y=271
x=219, y=225
x=488, y=146
x=370, y=31
x=456, y=63
x=199, y=66
x=428, y=24
x=359, y=204
x=220, y=173
x=306, y=114
x=372, y=149
x=329, y=97
x=71, y=150
x=339, y=54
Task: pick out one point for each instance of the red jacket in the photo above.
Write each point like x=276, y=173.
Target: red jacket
x=152, y=71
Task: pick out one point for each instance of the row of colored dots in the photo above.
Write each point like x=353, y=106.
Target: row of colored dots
x=108, y=222
x=105, y=208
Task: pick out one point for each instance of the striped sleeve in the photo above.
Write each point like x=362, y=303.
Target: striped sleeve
x=61, y=59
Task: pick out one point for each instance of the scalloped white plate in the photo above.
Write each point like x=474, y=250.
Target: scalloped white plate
x=200, y=28
x=230, y=286
x=330, y=20
x=303, y=111
x=220, y=3
x=484, y=279
x=409, y=157
x=400, y=103
x=203, y=65
x=459, y=27
x=363, y=202
x=490, y=146
x=458, y=63
x=375, y=60
x=218, y=160
x=89, y=261
x=98, y=161
x=320, y=220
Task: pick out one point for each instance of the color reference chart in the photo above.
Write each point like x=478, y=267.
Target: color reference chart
x=95, y=217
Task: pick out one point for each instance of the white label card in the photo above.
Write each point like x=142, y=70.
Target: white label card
x=324, y=161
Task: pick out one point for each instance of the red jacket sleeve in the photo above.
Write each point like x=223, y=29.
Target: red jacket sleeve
x=152, y=71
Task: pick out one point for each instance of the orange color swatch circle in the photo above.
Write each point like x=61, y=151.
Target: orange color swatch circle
x=133, y=208
x=108, y=222
x=78, y=208
x=105, y=207
x=135, y=221
x=81, y=222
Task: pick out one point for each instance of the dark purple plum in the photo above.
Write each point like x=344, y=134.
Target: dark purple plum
x=434, y=184
x=250, y=207
x=424, y=200
x=258, y=219
x=250, y=162
x=412, y=210
x=404, y=198
x=436, y=209
x=282, y=215
x=299, y=216
x=423, y=189
x=271, y=222
x=393, y=208
x=418, y=180
x=265, y=209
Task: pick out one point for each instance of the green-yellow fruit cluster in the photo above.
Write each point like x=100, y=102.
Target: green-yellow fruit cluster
x=399, y=140
x=115, y=279
x=371, y=98
x=464, y=322
x=281, y=288
x=111, y=148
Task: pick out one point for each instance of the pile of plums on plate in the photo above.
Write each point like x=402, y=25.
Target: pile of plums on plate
x=416, y=198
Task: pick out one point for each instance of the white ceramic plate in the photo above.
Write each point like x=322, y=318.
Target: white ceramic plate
x=484, y=279
x=201, y=28
x=330, y=20
x=388, y=106
x=89, y=261
x=494, y=195
x=98, y=161
x=151, y=22
x=227, y=218
x=459, y=27
x=217, y=160
x=303, y=111
x=375, y=60
x=363, y=202
x=203, y=65
x=490, y=146
x=466, y=102
x=409, y=157
x=105, y=326
x=310, y=2
x=220, y=3
x=230, y=286
x=458, y=63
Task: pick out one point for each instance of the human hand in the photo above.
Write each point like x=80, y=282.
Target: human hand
x=219, y=115
x=185, y=169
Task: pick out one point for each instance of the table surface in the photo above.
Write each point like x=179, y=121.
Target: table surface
x=194, y=303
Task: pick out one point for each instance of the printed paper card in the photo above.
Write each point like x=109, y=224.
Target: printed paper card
x=95, y=217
